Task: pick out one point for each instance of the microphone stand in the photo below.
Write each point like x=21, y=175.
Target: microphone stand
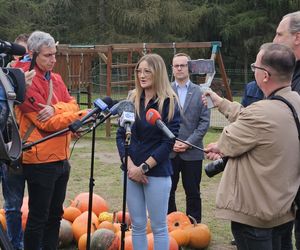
x=123, y=224
x=74, y=127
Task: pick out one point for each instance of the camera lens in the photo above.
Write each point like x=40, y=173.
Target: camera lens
x=215, y=167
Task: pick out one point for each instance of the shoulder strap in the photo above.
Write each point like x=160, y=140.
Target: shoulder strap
x=10, y=151
x=32, y=126
x=295, y=115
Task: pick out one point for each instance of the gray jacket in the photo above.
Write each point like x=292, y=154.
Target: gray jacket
x=194, y=124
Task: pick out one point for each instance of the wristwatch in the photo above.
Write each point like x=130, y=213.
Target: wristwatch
x=145, y=167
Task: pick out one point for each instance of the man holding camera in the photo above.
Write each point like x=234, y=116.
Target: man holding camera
x=258, y=187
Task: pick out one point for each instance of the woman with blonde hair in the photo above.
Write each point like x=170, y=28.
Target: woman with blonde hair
x=149, y=169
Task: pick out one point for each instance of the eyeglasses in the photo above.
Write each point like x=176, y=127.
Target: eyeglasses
x=176, y=66
x=253, y=68
x=146, y=72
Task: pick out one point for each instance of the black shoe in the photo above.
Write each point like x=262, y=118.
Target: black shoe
x=233, y=242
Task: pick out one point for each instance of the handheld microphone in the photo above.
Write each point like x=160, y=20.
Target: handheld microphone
x=12, y=48
x=125, y=110
x=154, y=118
x=99, y=107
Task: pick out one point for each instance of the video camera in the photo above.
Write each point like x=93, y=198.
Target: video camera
x=215, y=167
x=12, y=92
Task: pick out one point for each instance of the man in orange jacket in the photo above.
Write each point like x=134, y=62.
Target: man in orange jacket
x=48, y=107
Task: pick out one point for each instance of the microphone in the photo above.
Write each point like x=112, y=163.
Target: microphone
x=12, y=48
x=154, y=118
x=125, y=110
x=99, y=107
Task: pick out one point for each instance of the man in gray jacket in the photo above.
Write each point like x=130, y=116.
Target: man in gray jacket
x=262, y=175
x=194, y=124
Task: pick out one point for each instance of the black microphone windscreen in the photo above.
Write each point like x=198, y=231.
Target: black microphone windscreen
x=126, y=106
x=17, y=49
x=12, y=48
x=108, y=101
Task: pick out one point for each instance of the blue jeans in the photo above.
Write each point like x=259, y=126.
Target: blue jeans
x=253, y=238
x=47, y=184
x=13, y=185
x=153, y=197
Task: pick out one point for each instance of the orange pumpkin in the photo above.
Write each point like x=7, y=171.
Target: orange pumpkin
x=79, y=226
x=107, y=225
x=181, y=236
x=177, y=220
x=119, y=217
x=81, y=201
x=82, y=242
x=71, y=213
x=3, y=221
x=24, y=210
x=127, y=243
x=172, y=242
x=199, y=236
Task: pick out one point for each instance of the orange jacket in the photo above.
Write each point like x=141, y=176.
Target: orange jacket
x=66, y=112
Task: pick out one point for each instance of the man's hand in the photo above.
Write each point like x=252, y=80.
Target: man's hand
x=180, y=147
x=213, y=152
x=28, y=77
x=215, y=98
x=46, y=113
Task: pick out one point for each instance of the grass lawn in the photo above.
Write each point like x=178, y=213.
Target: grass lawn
x=108, y=183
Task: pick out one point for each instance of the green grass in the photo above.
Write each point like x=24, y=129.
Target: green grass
x=108, y=182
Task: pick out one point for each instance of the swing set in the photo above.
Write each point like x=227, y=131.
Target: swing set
x=75, y=63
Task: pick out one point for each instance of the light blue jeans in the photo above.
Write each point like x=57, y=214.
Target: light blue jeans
x=153, y=197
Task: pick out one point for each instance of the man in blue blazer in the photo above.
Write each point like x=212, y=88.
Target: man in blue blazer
x=194, y=125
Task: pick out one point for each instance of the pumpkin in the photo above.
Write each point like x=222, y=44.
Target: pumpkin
x=71, y=213
x=106, y=216
x=127, y=243
x=81, y=201
x=3, y=221
x=79, y=226
x=108, y=225
x=82, y=242
x=104, y=239
x=177, y=220
x=24, y=210
x=119, y=218
x=199, y=236
x=149, y=229
x=181, y=236
x=172, y=242
x=65, y=233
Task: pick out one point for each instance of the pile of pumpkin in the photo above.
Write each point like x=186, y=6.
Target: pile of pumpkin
x=106, y=227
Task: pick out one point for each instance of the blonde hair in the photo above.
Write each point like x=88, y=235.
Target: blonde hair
x=161, y=85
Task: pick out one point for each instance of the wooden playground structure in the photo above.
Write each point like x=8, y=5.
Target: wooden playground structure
x=75, y=63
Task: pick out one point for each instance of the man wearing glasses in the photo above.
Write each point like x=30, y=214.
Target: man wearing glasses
x=194, y=124
x=288, y=33
x=262, y=175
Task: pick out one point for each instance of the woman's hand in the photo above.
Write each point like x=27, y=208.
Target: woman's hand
x=136, y=174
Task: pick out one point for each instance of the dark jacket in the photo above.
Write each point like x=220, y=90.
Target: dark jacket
x=296, y=78
x=148, y=140
x=252, y=94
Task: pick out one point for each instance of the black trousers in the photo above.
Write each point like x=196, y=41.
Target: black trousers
x=191, y=173
x=47, y=184
x=253, y=238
